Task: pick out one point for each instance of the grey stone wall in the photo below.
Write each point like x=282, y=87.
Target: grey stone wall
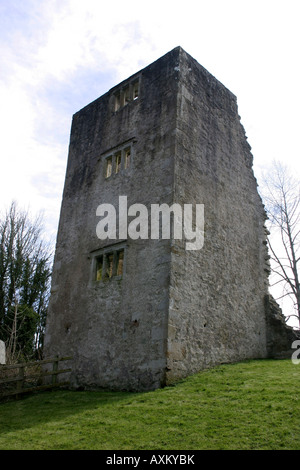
x=172, y=312
x=116, y=330
x=217, y=293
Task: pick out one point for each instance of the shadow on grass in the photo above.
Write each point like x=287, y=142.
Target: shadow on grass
x=247, y=405
x=44, y=407
x=57, y=405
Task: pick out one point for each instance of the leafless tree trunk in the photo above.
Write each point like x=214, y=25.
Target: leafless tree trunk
x=281, y=196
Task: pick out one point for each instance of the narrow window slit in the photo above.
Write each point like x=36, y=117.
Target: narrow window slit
x=118, y=161
x=127, y=158
x=108, y=170
x=135, y=90
x=109, y=265
x=126, y=95
x=117, y=101
x=120, y=260
x=99, y=268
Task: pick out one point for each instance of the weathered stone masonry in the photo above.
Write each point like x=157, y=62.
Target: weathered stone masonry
x=137, y=314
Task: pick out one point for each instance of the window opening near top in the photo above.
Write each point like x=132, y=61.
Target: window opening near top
x=108, y=170
x=125, y=94
x=117, y=101
x=135, y=91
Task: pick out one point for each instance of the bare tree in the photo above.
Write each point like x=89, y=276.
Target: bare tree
x=281, y=196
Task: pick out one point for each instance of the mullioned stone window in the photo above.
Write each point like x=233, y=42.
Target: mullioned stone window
x=126, y=94
x=118, y=160
x=108, y=264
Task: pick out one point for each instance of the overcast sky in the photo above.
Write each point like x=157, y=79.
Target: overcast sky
x=59, y=55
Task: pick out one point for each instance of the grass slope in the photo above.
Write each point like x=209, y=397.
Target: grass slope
x=249, y=405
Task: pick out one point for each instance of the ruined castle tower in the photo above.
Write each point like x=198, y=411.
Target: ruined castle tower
x=139, y=313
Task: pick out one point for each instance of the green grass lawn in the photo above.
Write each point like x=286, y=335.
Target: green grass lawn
x=249, y=405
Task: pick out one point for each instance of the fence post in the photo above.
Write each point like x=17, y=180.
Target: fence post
x=20, y=383
x=54, y=370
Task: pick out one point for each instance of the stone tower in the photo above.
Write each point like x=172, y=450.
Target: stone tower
x=138, y=313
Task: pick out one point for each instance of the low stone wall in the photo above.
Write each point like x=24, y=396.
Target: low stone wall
x=280, y=336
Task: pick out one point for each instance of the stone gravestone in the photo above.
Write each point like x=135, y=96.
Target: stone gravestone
x=2, y=352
